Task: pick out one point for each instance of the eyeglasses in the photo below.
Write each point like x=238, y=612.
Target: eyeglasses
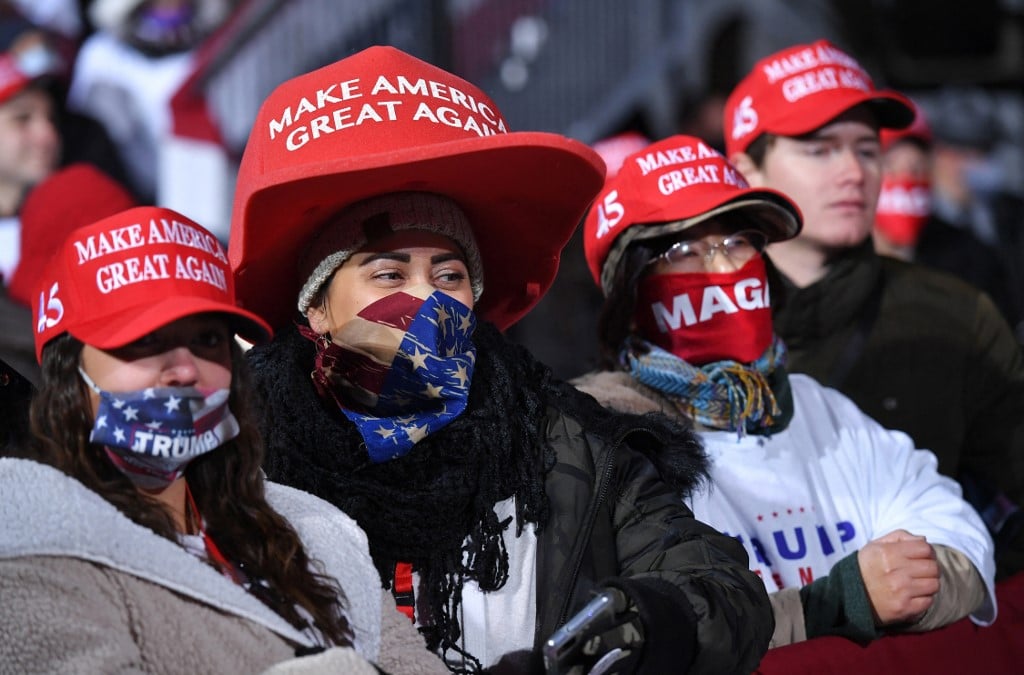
x=693, y=255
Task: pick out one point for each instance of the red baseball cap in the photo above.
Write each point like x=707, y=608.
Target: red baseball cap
x=118, y=279
x=12, y=78
x=70, y=198
x=668, y=187
x=802, y=88
x=920, y=130
x=382, y=121
x=28, y=57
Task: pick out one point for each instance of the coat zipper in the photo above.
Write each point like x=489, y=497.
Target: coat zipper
x=602, y=493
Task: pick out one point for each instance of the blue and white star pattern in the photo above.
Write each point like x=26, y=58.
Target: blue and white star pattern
x=427, y=383
x=154, y=433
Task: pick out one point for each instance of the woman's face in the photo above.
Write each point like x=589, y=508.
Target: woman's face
x=393, y=263
x=194, y=351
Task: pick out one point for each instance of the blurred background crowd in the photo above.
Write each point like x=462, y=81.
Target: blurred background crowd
x=161, y=94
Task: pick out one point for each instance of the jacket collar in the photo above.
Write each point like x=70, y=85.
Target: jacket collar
x=827, y=305
x=46, y=512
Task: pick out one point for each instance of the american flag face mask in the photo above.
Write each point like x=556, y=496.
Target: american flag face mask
x=401, y=369
x=151, y=435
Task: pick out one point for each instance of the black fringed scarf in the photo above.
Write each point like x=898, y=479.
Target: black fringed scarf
x=435, y=506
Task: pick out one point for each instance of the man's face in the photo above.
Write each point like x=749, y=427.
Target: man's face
x=29, y=142
x=833, y=174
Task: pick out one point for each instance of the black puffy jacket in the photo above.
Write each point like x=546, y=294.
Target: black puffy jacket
x=615, y=517
x=613, y=488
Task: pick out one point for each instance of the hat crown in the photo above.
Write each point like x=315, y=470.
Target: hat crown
x=649, y=164
x=800, y=88
x=72, y=197
x=920, y=130
x=128, y=274
x=382, y=121
x=27, y=55
x=378, y=100
x=671, y=179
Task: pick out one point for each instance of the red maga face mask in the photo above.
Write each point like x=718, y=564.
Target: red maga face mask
x=903, y=208
x=705, y=317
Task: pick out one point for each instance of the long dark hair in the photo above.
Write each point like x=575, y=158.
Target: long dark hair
x=227, y=484
x=615, y=328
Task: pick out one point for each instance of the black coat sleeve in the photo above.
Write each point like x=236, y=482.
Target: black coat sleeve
x=686, y=575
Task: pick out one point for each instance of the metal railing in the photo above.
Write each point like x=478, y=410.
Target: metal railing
x=577, y=67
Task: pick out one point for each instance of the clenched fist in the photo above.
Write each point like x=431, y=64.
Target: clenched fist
x=901, y=576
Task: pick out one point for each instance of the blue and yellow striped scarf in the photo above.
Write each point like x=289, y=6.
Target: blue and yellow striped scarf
x=752, y=398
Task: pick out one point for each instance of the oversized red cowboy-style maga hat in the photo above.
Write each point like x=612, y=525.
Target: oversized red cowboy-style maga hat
x=383, y=121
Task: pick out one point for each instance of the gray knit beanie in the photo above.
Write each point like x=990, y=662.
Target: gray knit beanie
x=357, y=224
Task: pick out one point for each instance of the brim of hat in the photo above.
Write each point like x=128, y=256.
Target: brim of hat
x=891, y=109
x=523, y=192
x=47, y=82
x=770, y=212
x=923, y=139
x=131, y=323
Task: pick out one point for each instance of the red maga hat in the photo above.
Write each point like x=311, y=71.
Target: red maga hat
x=70, y=198
x=127, y=275
x=802, y=88
x=668, y=187
x=382, y=121
x=920, y=131
x=12, y=78
x=27, y=56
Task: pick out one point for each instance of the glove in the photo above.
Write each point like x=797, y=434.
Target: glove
x=611, y=646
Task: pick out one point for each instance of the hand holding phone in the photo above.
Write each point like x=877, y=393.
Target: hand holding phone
x=606, y=636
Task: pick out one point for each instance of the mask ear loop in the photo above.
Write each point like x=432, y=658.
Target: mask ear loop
x=88, y=381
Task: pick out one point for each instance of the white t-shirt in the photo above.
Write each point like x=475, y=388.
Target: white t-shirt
x=834, y=480
x=130, y=94
x=502, y=621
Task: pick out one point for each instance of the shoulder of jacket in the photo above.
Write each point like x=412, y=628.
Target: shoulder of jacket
x=322, y=526
x=924, y=281
x=618, y=390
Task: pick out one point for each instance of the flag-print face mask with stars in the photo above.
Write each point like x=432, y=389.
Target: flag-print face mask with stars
x=151, y=435
x=401, y=369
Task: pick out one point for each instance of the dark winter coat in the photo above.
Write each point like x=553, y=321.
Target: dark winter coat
x=612, y=515
x=919, y=351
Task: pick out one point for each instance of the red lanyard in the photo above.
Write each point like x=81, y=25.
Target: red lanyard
x=225, y=567
x=402, y=590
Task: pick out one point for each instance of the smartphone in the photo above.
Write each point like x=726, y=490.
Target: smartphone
x=597, y=616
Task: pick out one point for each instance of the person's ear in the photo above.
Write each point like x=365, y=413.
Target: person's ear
x=317, y=317
x=748, y=168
